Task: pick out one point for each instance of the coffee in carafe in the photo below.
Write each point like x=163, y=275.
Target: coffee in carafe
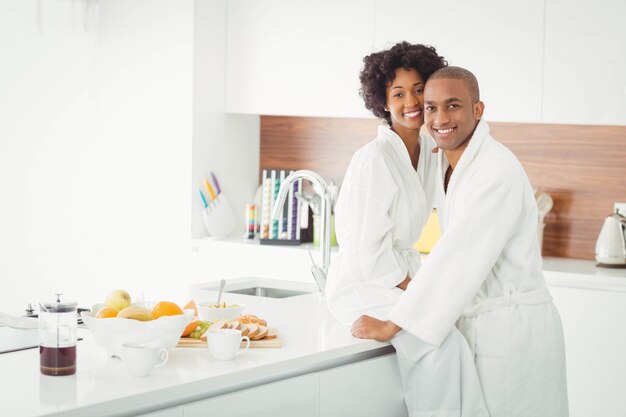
x=57, y=337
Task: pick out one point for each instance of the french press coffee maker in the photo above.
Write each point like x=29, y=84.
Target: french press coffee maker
x=57, y=337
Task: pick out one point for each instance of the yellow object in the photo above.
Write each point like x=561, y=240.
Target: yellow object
x=107, y=312
x=166, y=308
x=430, y=235
x=209, y=189
x=135, y=313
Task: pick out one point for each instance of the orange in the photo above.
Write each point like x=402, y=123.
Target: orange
x=191, y=327
x=107, y=312
x=166, y=308
x=191, y=305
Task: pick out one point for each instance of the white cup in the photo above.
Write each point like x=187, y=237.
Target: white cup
x=224, y=344
x=140, y=358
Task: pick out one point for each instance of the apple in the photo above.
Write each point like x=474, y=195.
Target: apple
x=118, y=299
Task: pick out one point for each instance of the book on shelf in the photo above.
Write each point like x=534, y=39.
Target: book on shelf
x=285, y=230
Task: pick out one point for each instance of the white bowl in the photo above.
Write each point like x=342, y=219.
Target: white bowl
x=214, y=314
x=111, y=333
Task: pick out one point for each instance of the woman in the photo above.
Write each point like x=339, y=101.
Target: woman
x=385, y=200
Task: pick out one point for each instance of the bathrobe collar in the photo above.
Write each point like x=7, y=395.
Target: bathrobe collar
x=391, y=137
x=481, y=133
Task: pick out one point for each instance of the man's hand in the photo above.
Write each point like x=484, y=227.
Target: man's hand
x=366, y=327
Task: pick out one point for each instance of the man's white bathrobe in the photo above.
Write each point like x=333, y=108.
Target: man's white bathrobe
x=485, y=275
x=382, y=207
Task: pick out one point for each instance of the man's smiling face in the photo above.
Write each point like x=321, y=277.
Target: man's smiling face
x=449, y=113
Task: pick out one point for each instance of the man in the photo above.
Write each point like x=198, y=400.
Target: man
x=485, y=273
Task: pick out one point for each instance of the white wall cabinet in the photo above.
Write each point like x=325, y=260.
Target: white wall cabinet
x=500, y=42
x=595, y=345
x=299, y=58
x=537, y=61
x=369, y=388
x=585, y=62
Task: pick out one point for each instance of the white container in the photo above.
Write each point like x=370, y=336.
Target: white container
x=218, y=217
x=112, y=333
x=214, y=314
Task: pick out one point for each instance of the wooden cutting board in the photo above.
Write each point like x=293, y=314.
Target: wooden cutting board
x=272, y=342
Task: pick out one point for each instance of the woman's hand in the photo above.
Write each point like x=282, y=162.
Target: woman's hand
x=366, y=327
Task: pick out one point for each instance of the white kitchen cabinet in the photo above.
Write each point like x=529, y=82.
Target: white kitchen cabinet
x=369, y=388
x=299, y=58
x=170, y=412
x=297, y=396
x=595, y=345
x=585, y=62
x=500, y=42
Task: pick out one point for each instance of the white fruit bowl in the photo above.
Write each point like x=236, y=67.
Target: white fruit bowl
x=214, y=314
x=112, y=333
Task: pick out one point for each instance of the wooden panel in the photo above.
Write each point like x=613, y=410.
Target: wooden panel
x=323, y=145
x=583, y=168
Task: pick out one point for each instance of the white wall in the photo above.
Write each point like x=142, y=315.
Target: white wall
x=144, y=102
x=96, y=101
x=227, y=145
x=49, y=228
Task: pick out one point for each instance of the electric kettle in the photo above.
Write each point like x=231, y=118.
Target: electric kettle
x=611, y=243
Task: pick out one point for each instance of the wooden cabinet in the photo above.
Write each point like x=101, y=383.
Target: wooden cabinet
x=595, y=347
x=299, y=58
x=500, y=42
x=585, y=62
x=369, y=388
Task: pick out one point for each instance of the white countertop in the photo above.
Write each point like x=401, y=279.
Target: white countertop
x=583, y=274
x=312, y=341
x=292, y=263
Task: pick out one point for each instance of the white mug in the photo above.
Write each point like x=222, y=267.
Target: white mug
x=140, y=358
x=224, y=343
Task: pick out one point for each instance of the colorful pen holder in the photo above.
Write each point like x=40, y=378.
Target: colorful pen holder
x=218, y=217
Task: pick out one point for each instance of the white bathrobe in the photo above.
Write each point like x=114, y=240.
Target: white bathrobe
x=485, y=275
x=381, y=210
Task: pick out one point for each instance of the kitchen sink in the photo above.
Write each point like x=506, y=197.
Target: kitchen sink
x=268, y=292
x=267, y=298
x=244, y=288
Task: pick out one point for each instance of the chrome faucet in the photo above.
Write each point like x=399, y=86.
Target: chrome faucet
x=319, y=273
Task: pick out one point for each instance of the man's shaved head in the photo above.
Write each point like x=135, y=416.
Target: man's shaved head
x=458, y=73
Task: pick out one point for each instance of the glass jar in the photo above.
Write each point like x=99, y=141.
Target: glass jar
x=57, y=337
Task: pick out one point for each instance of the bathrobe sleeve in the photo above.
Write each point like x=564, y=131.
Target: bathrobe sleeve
x=483, y=220
x=364, y=222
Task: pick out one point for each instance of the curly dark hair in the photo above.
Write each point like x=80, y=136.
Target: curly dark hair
x=380, y=67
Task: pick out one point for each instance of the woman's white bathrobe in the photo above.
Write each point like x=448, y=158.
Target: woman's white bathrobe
x=485, y=275
x=382, y=208
x=380, y=213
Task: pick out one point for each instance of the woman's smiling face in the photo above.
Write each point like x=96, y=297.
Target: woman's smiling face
x=405, y=101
